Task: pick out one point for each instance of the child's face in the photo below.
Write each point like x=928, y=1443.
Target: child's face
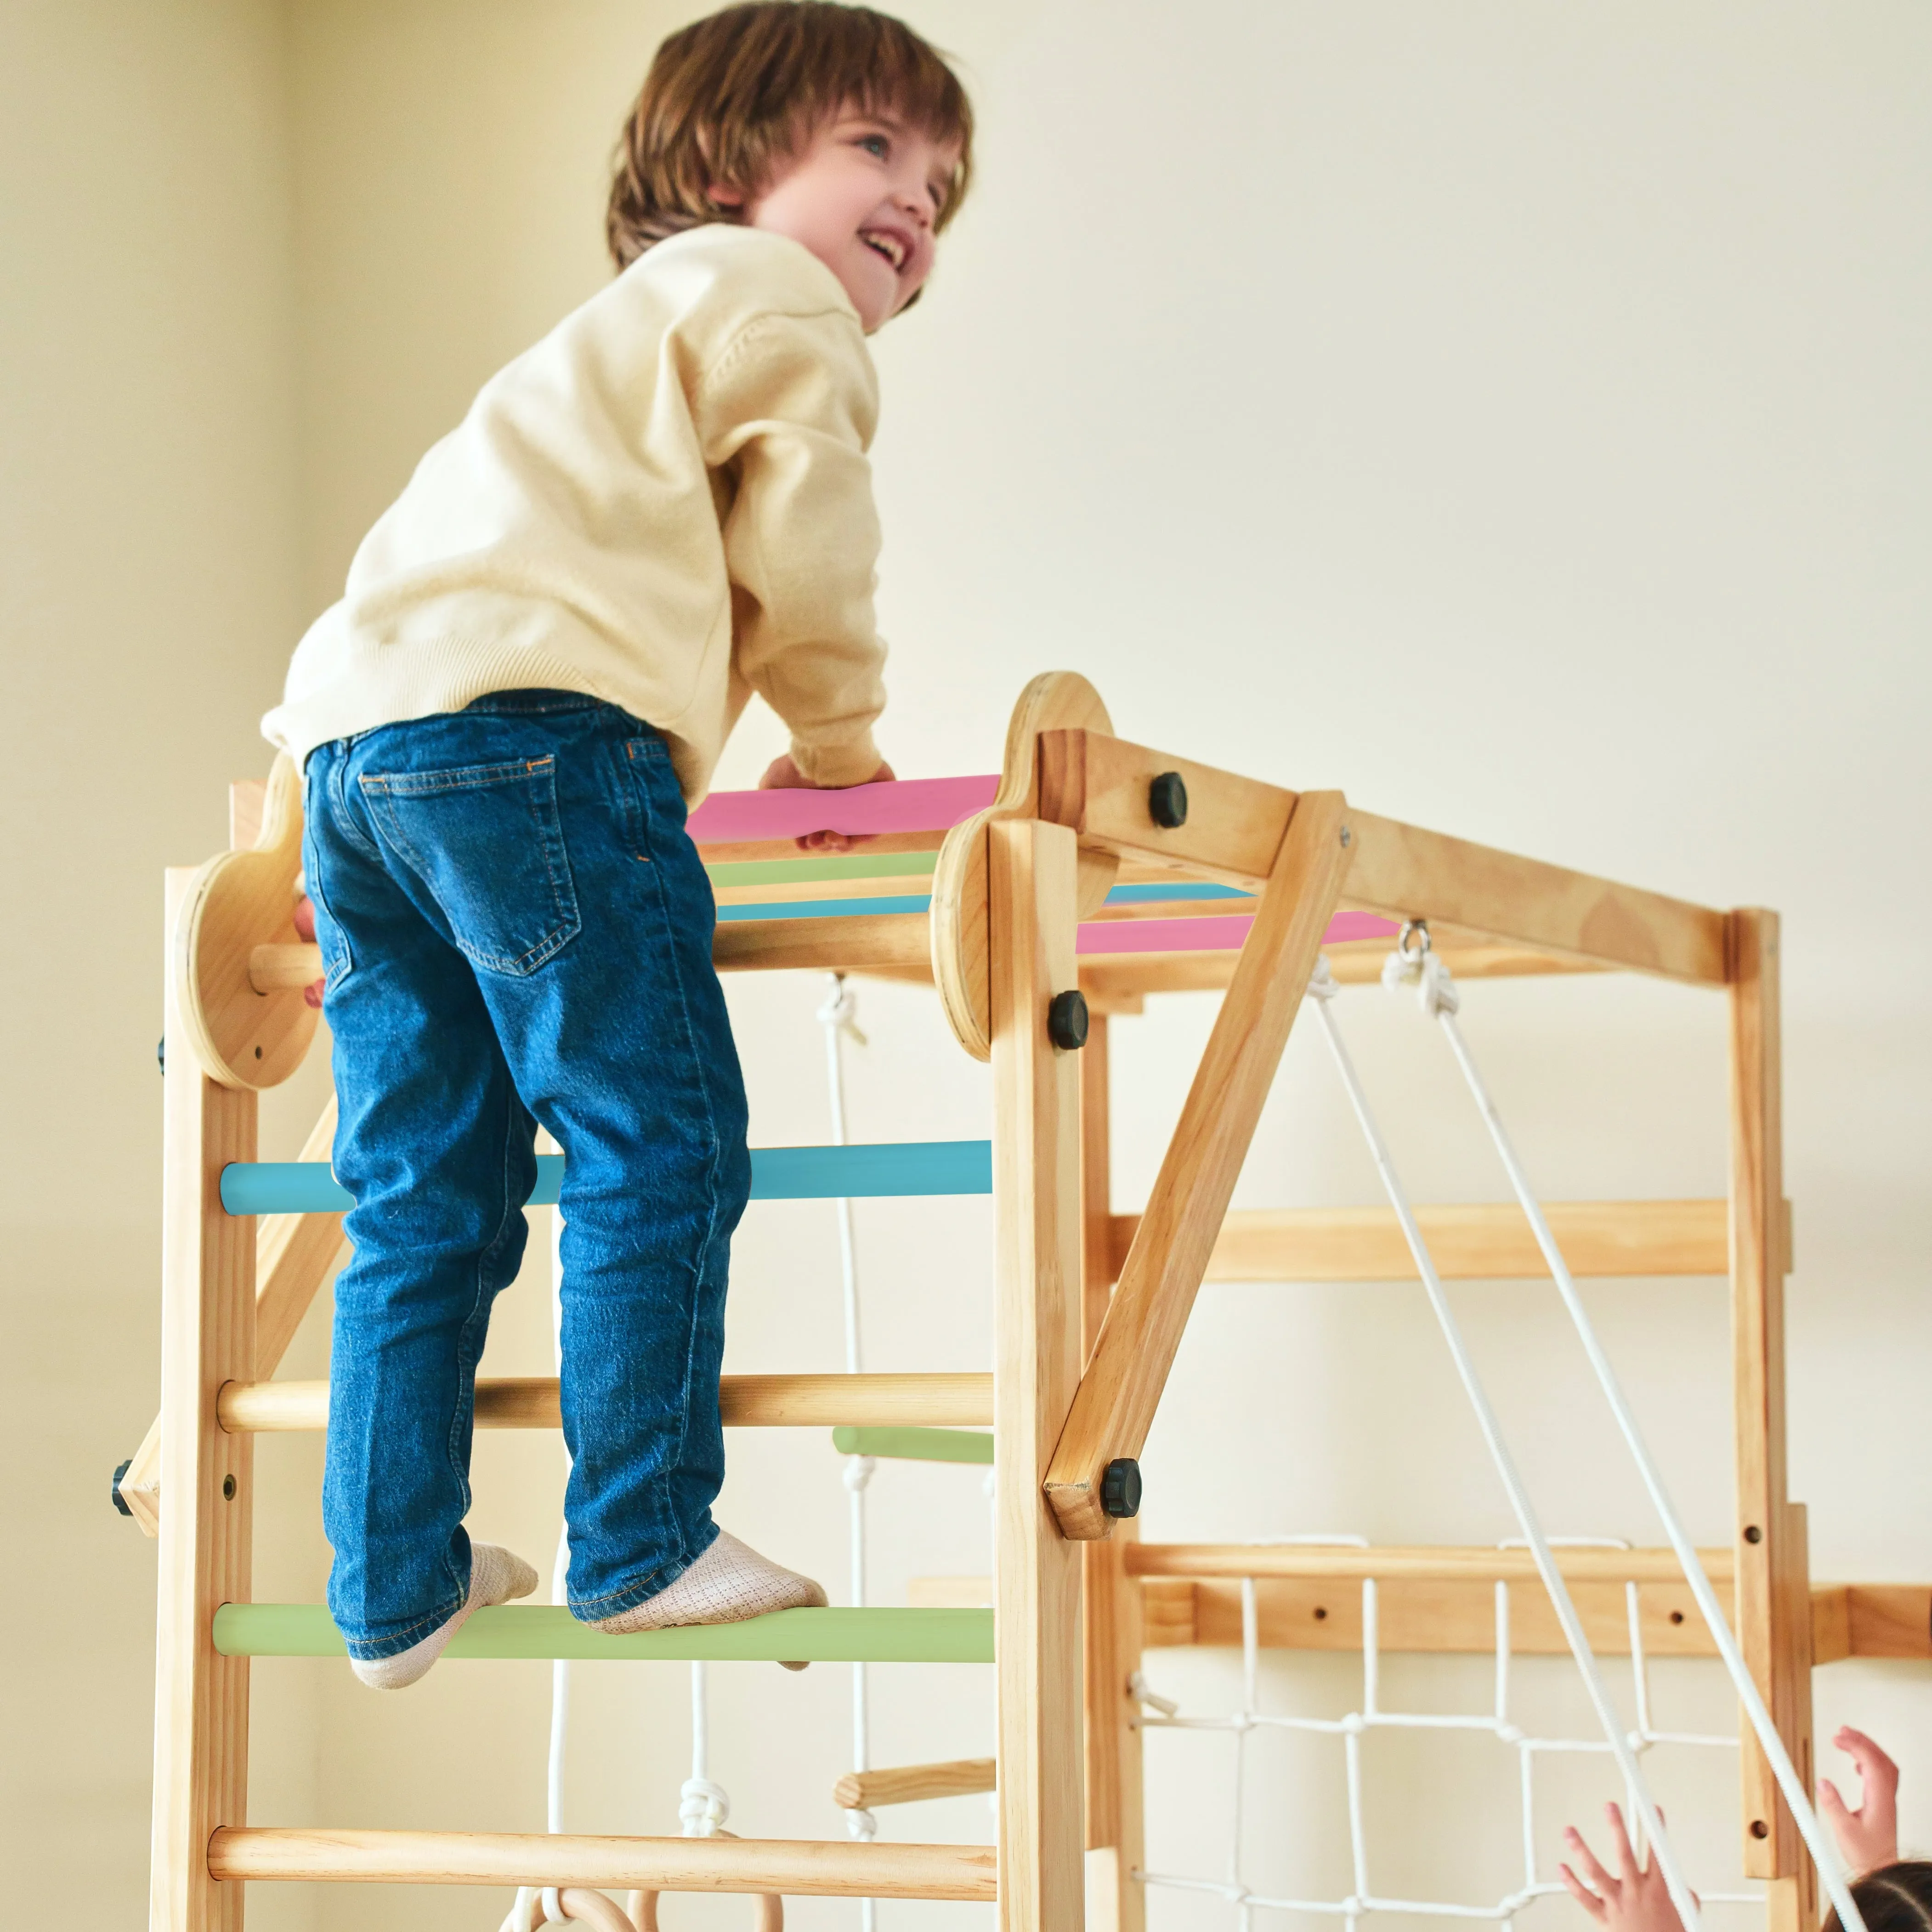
x=862, y=194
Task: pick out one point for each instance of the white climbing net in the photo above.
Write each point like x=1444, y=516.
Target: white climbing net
x=1498, y=1721
x=1413, y=963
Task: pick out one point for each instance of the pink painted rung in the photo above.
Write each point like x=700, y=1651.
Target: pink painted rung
x=902, y=805
x=1224, y=935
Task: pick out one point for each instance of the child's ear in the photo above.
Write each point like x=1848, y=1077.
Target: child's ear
x=722, y=194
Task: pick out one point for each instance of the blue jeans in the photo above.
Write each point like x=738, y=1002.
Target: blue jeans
x=515, y=929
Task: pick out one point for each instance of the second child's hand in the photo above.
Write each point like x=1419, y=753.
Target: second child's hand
x=1636, y=1900
x=783, y=774
x=1867, y=1837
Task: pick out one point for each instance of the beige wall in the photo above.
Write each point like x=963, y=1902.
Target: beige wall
x=1515, y=415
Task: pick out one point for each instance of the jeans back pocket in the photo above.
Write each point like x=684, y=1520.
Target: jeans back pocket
x=487, y=841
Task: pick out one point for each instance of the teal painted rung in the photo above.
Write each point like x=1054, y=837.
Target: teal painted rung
x=549, y=1631
x=915, y=1445
x=871, y=1171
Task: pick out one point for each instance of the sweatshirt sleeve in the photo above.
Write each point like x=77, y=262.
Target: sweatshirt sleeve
x=787, y=413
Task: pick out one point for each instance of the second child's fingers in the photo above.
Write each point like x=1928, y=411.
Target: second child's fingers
x=1583, y=1895
x=1871, y=1761
x=1620, y=1838
x=1580, y=1850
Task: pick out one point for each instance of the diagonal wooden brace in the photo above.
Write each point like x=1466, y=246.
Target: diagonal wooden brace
x=1121, y=1389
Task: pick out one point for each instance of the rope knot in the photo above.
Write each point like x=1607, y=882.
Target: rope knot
x=862, y=1824
x=1414, y=963
x=703, y=1807
x=859, y=1471
x=1322, y=983
x=840, y=1013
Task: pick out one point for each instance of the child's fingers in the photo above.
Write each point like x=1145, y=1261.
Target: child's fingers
x=1580, y=1850
x=1581, y=1894
x=1620, y=1839
x=1829, y=1802
x=1873, y=1763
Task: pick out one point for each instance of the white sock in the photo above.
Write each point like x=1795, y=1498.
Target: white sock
x=496, y=1576
x=730, y=1582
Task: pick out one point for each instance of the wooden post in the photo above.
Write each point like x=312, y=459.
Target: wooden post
x=1773, y=1600
x=1031, y=875
x=208, y=1338
x=1116, y=1901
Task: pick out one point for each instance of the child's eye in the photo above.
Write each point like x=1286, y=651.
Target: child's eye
x=876, y=145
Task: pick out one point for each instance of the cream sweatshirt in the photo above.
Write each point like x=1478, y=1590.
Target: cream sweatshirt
x=665, y=504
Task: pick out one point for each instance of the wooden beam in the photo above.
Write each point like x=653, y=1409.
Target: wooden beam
x=1338, y=1562
x=1122, y=1386
x=1116, y=1902
x=1485, y=1242
x=1456, y=1613
x=911, y=1783
x=293, y=1255
x=1404, y=872
x=208, y=1338
x=1099, y=786
x=745, y=1401
x=1032, y=889
x=827, y=1868
x=1767, y=1590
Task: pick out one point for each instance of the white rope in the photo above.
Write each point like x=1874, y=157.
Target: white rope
x=1436, y=990
x=1324, y=987
x=838, y=1016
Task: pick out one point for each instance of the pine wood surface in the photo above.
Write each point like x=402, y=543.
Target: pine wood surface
x=911, y=1783
x=1477, y=1241
x=809, y=1866
x=1032, y=896
x=1163, y=1270
x=208, y=1337
x=961, y=1400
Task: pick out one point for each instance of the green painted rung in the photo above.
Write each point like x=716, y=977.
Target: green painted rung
x=549, y=1631
x=915, y=1445
x=844, y=866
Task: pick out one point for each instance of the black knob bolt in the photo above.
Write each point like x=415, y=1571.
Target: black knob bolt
x=161, y=1060
x=1067, y=1021
x=1167, y=801
x=120, y=1501
x=1120, y=1487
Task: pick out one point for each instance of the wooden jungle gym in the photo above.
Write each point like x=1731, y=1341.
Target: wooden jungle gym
x=1061, y=880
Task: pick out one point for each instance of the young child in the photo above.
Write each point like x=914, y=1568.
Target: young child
x=662, y=508
x=1894, y=1895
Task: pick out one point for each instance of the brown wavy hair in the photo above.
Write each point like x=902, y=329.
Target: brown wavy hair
x=1896, y=1898
x=731, y=97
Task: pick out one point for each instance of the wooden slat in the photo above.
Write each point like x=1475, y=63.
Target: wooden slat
x=1772, y=1848
x=208, y=1337
x=1126, y=976
x=1346, y=1563
x=1478, y=1242
x=1426, y=1612
x=825, y=1868
x=745, y=1401
x=1031, y=898
x=1404, y=872
x=1123, y=1380
x=912, y=1784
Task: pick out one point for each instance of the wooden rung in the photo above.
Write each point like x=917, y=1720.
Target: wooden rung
x=1342, y=1562
x=801, y=1866
x=863, y=942
x=745, y=1401
x=1472, y=1243
x=1870, y=1620
x=908, y=1783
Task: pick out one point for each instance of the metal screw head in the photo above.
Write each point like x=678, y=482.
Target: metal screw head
x=1120, y=1487
x=1167, y=801
x=1347, y=836
x=1067, y=1021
